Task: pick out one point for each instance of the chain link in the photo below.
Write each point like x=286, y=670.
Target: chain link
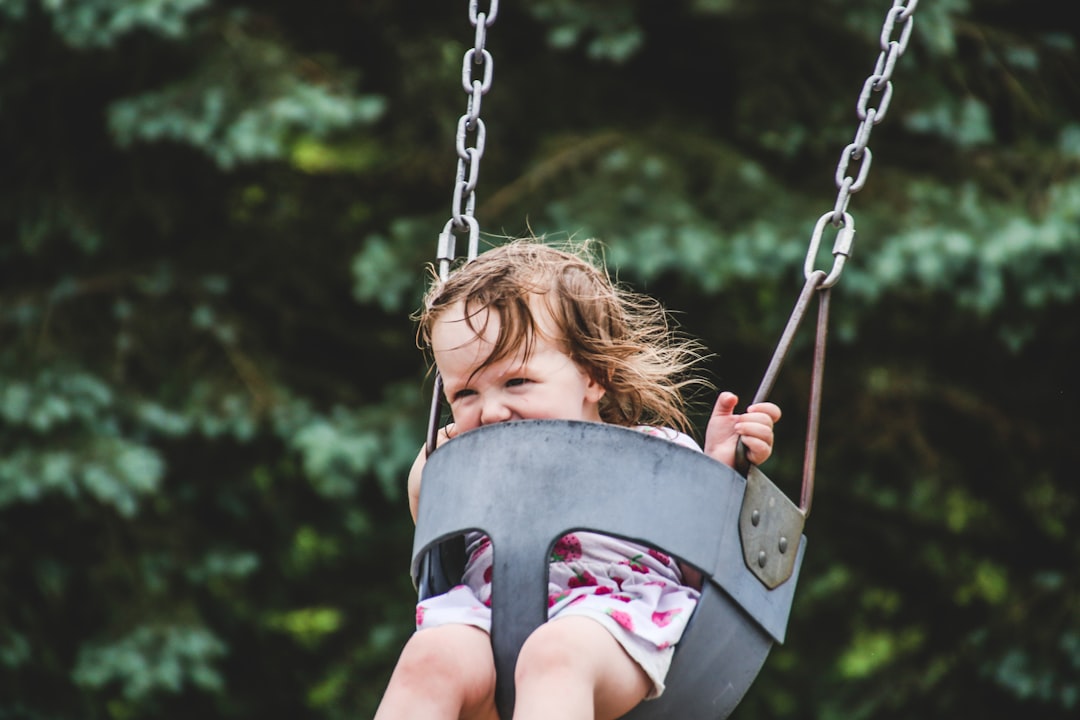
x=877, y=86
x=477, y=70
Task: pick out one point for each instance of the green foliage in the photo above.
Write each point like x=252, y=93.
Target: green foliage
x=152, y=659
x=608, y=29
x=99, y=23
x=964, y=126
x=70, y=446
x=986, y=257
x=378, y=270
x=248, y=101
x=217, y=222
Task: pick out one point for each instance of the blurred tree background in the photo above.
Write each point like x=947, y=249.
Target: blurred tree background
x=214, y=221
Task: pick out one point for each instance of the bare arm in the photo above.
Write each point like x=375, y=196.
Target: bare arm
x=417, y=470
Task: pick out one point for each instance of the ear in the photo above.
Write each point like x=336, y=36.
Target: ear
x=594, y=391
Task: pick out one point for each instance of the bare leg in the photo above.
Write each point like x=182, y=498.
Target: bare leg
x=573, y=668
x=444, y=673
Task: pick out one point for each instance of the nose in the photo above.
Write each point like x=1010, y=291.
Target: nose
x=494, y=411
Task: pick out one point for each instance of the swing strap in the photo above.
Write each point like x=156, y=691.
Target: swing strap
x=769, y=520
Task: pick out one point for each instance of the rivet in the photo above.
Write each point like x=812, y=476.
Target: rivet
x=755, y=518
x=783, y=544
x=761, y=559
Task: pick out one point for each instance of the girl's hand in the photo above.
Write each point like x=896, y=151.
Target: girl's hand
x=754, y=427
x=416, y=472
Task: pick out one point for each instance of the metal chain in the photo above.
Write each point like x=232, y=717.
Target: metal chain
x=818, y=281
x=899, y=18
x=477, y=61
x=470, y=125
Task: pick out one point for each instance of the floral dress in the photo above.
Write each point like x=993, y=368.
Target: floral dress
x=634, y=591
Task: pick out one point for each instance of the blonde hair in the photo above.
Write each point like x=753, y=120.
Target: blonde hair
x=622, y=339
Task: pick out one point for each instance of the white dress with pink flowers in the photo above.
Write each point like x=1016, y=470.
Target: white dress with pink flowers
x=633, y=591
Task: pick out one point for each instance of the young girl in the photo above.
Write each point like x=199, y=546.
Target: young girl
x=528, y=331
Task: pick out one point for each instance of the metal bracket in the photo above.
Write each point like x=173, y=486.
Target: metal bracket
x=770, y=526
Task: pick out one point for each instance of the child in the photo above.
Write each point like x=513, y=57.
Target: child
x=527, y=331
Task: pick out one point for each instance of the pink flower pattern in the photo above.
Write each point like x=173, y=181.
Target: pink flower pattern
x=661, y=557
x=663, y=619
x=622, y=618
x=583, y=579
x=567, y=549
x=557, y=598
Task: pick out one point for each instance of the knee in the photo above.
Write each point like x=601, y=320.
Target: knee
x=577, y=659
x=444, y=656
x=442, y=672
x=554, y=648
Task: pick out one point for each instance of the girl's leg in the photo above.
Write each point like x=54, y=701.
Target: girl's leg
x=573, y=668
x=443, y=673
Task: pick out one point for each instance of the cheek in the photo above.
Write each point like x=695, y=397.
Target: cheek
x=465, y=418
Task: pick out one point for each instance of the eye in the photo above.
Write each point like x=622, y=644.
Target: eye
x=462, y=394
x=517, y=382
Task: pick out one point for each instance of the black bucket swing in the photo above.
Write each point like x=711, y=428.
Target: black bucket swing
x=527, y=483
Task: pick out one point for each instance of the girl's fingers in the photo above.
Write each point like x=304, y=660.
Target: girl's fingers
x=757, y=450
x=758, y=435
x=758, y=425
x=772, y=410
x=725, y=403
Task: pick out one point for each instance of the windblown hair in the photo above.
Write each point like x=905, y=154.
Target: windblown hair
x=622, y=339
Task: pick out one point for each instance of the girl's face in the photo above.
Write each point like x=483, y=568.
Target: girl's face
x=545, y=385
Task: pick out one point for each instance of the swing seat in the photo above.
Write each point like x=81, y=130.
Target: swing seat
x=527, y=483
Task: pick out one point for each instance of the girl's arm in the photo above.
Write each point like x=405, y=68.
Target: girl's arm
x=417, y=470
